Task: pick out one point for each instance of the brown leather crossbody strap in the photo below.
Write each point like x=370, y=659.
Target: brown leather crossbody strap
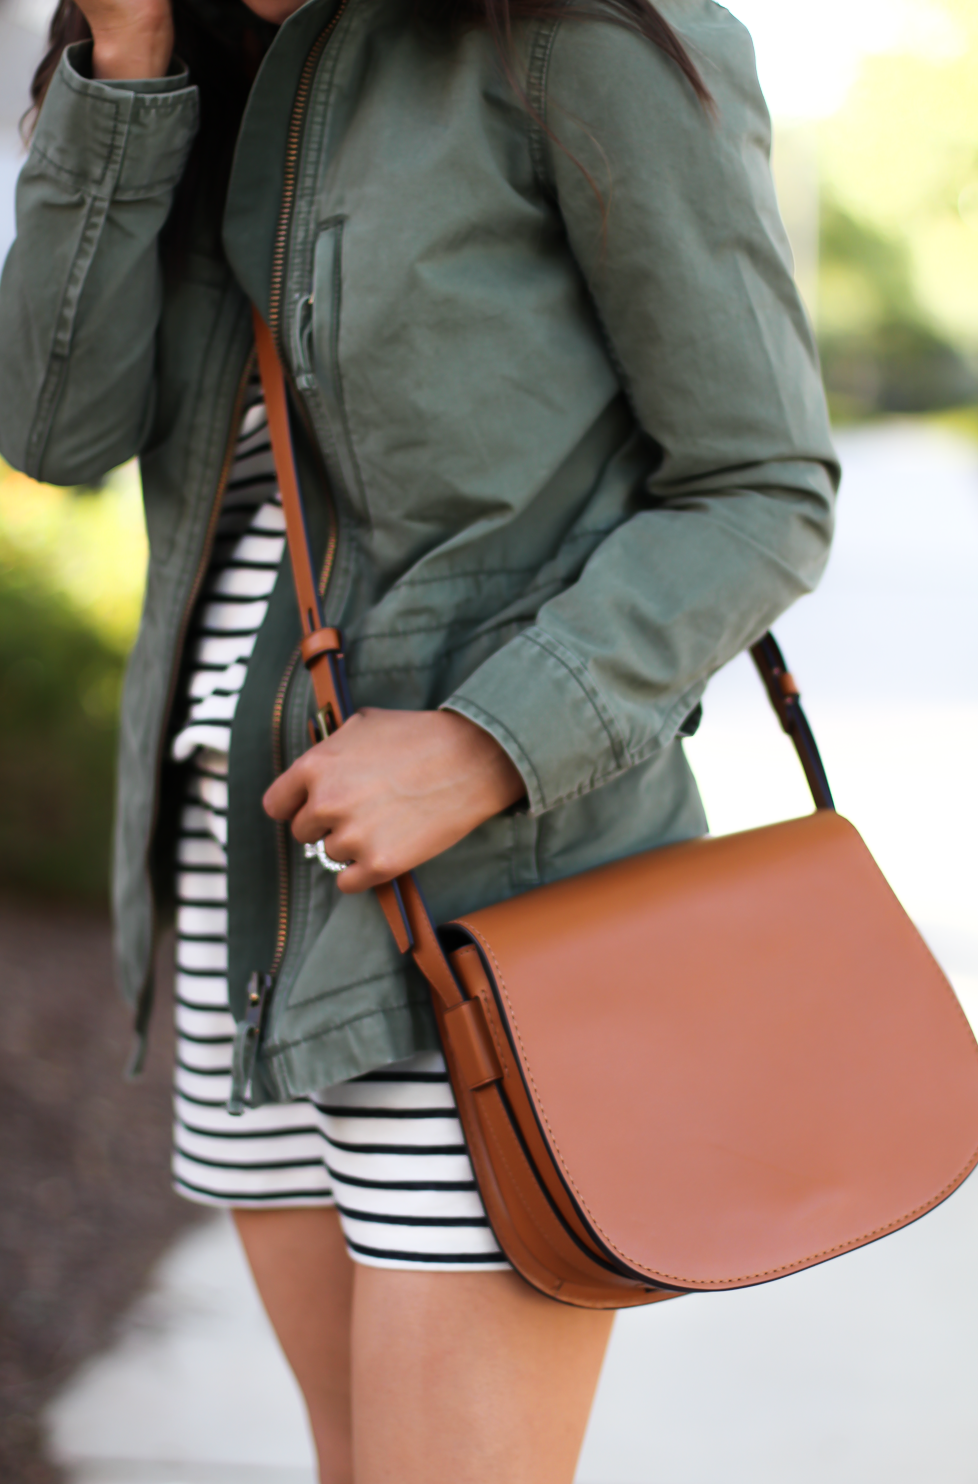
x=322, y=652
x=322, y=647
x=785, y=697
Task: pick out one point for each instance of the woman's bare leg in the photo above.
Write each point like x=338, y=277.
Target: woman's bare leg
x=469, y=1378
x=305, y=1278
x=459, y=1378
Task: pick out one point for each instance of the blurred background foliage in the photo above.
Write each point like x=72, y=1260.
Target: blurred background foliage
x=71, y=575
x=882, y=351
x=897, y=302
x=891, y=182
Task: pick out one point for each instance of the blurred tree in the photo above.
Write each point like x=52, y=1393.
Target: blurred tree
x=879, y=351
x=71, y=574
x=60, y=684
x=900, y=158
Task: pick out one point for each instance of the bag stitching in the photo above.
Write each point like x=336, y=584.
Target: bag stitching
x=484, y=996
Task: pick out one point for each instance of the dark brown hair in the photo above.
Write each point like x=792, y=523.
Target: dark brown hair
x=222, y=42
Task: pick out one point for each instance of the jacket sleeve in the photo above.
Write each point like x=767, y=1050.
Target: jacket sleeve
x=689, y=270
x=81, y=289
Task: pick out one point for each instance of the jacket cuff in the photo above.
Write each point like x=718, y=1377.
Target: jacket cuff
x=127, y=138
x=539, y=703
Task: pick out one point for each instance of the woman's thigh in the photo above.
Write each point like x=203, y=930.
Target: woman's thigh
x=304, y=1275
x=469, y=1378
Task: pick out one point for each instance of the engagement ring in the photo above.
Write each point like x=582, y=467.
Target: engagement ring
x=317, y=852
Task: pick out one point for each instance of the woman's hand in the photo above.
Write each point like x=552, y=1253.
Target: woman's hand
x=133, y=38
x=391, y=789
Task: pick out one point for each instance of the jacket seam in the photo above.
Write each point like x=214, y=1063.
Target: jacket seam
x=504, y=571
x=716, y=515
x=325, y=75
x=635, y=756
x=76, y=177
x=167, y=103
x=64, y=325
x=95, y=90
x=421, y=628
x=487, y=625
x=537, y=71
x=280, y=1048
x=148, y=189
x=574, y=667
x=79, y=179
x=336, y=295
x=467, y=572
x=517, y=624
x=95, y=216
x=179, y=578
x=491, y=723
x=549, y=184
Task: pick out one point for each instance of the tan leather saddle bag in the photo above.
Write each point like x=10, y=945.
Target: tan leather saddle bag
x=701, y=1067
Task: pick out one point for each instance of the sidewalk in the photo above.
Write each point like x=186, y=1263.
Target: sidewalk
x=861, y=1371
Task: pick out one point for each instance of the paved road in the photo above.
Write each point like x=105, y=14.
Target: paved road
x=864, y=1370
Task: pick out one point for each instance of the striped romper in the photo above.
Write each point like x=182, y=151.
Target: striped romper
x=387, y=1148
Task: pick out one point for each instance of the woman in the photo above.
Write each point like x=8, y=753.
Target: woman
x=564, y=453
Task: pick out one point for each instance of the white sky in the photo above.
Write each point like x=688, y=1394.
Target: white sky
x=808, y=51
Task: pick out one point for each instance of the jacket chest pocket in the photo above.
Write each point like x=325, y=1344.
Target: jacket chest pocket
x=316, y=358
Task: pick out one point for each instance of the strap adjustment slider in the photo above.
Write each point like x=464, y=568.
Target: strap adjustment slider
x=320, y=642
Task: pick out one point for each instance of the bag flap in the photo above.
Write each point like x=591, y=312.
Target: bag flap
x=741, y=1054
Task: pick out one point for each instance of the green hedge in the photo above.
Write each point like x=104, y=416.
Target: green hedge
x=60, y=684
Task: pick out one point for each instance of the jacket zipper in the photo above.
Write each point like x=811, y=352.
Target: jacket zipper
x=202, y=566
x=289, y=175
x=290, y=171
x=142, y=1011
x=205, y=555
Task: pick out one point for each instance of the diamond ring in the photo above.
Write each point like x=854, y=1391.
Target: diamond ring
x=317, y=852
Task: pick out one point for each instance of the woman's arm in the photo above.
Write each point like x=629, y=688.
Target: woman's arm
x=690, y=275
x=689, y=271
x=81, y=290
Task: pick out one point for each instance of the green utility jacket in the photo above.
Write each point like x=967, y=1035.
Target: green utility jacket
x=567, y=447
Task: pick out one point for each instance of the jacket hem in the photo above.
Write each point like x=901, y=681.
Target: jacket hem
x=383, y=1036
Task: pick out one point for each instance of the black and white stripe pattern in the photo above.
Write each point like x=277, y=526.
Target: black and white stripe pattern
x=248, y=548
x=272, y=1155
x=387, y=1149
x=400, y=1171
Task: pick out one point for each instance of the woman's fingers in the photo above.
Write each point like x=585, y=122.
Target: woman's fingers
x=359, y=877
x=304, y=796
x=391, y=789
x=290, y=791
